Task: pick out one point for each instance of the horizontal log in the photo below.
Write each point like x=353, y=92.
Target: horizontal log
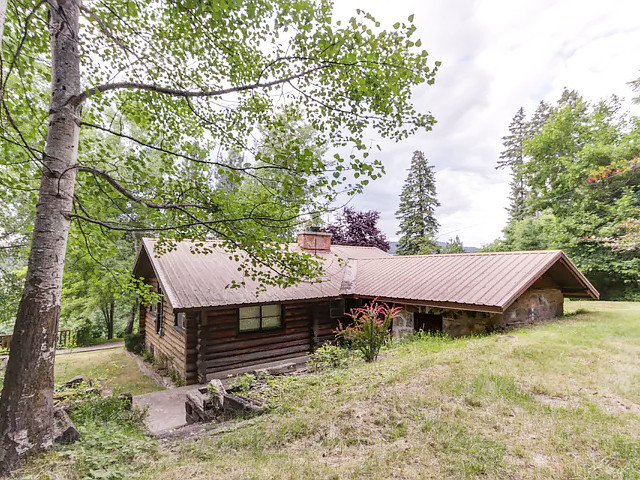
x=255, y=356
x=252, y=363
x=242, y=342
x=230, y=335
x=254, y=349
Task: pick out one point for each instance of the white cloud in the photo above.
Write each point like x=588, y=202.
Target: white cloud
x=497, y=56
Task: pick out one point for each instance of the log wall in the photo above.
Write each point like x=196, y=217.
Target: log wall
x=219, y=346
x=170, y=346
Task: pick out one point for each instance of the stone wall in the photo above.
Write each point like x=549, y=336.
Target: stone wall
x=403, y=323
x=458, y=323
x=533, y=305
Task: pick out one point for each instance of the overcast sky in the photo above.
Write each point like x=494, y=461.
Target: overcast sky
x=496, y=57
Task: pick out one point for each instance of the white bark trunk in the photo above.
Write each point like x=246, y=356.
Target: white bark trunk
x=3, y=13
x=26, y=407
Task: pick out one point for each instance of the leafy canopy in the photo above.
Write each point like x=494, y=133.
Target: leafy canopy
x=181, y=97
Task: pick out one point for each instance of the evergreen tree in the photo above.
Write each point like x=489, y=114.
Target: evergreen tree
x=453, y=245
x=513, y=157
x=418, y=202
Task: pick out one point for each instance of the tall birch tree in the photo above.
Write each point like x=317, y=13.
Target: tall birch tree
x=180, y=82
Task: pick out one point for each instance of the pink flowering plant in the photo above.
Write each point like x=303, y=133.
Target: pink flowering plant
x=369, y=330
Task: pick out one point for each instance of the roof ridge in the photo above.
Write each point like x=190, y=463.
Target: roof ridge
x=477, y=254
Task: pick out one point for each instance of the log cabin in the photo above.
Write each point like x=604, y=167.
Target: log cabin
x=202, y=329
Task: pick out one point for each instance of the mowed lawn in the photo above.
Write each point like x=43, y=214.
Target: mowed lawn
x=554, y=401
x=113, y=368
x=116, y=370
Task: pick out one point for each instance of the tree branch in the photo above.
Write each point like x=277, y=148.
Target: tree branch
x=79, y=99
x=131, y=196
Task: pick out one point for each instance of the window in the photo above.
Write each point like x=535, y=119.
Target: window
x=159, y=314
x=262, y=317
x=179, y=320
x=336, y=308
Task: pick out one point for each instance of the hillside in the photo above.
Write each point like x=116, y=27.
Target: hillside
x=559, y=400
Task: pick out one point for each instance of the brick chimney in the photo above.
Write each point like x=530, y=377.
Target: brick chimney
x=315, y=241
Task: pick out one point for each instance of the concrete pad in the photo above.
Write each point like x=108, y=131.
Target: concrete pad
x=165, y=408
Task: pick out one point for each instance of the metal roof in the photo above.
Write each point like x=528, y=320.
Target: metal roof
x=475, y=281
x=193, y=280
x=478, y=281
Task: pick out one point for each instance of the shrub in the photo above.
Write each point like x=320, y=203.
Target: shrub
x=134, y=343
x=243, y=383
x=82, y=333
x=176, y=377
x=370, y=328
x=108, y=409
x=329, y=356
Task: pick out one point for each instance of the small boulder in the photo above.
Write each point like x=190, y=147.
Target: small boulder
x=65, y=432
x=216, y=394
x=78, y=379
x=128, y=398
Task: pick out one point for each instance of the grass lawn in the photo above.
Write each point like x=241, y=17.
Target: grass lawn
x=117, y=370
x=553, y=401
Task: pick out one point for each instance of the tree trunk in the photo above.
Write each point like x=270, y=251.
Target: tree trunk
x=112, y=308
x=134, y=310
x=26, y=407
x=3, y=14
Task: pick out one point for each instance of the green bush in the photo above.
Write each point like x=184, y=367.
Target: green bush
x=108, y=409
x=329, y=356
x=134, y=343
x=243, y=383
x=82, y=333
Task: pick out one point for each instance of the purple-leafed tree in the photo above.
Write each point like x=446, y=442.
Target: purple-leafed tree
x=353, y=227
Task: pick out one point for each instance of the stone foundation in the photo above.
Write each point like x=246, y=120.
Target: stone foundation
x=459, y=323
x=402, y=324
x=533, y=305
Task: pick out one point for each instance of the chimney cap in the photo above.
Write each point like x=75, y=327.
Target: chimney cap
x=315, y=233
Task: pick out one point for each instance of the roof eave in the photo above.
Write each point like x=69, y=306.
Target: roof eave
x=146, y=245
x=435, y=304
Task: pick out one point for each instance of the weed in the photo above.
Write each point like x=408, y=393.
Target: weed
x=242, y=384
x=329, y=356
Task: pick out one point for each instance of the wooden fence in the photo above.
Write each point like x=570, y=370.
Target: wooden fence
x=64, y=338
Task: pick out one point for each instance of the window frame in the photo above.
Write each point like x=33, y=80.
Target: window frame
x=179, y=325
x=261, y=328
x=160, y=315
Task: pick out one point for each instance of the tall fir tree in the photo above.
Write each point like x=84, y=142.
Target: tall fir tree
x=513, y=157
x=418, y=201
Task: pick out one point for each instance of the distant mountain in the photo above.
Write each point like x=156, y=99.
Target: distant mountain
x=394, y=245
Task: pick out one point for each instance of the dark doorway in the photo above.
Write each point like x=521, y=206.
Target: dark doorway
x=427, y=322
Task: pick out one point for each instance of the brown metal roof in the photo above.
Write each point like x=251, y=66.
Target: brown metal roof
x=193, y=280
x=481, y=281
x=475, y=281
